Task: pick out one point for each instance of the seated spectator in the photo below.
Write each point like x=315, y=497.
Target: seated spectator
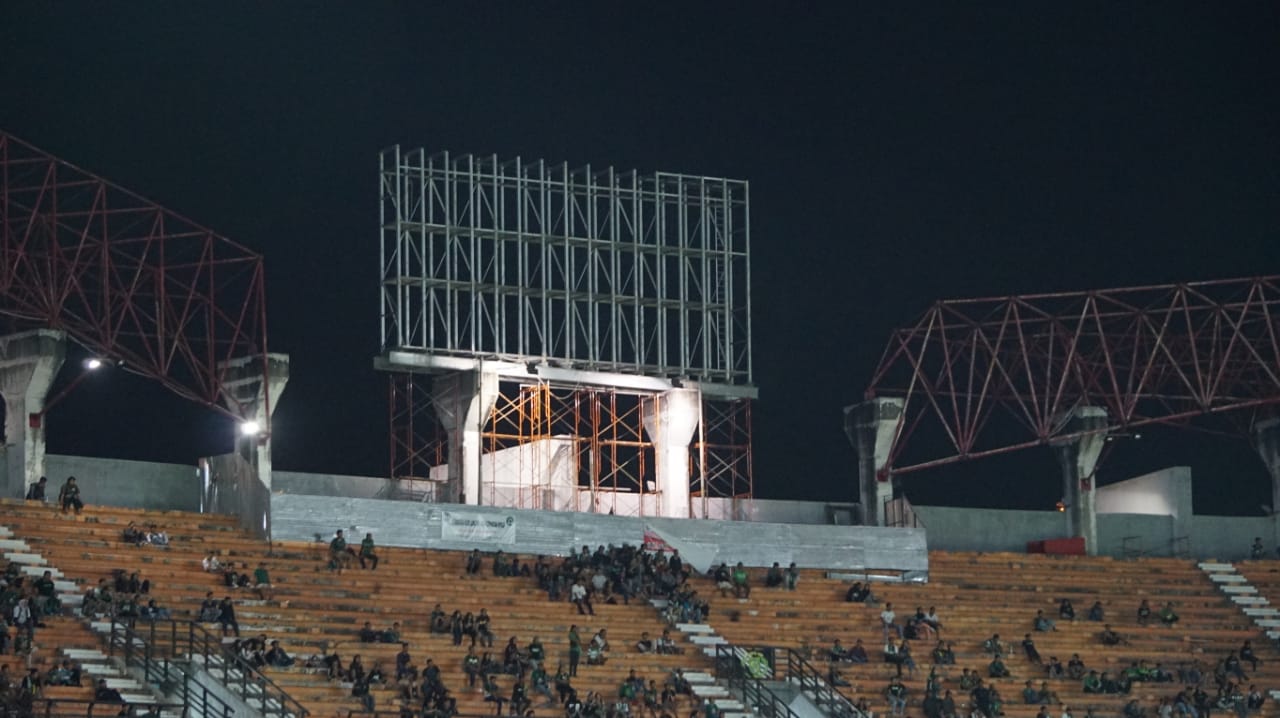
x=368, y=553
x=438, y=622
x=471, y=666
x=888, y=622
x=156, y=536
x=1054, y=669
x=1043, y=623
x=473, y=562
x=1144, y=612
x=997, y=668
x=1257, y=551
x=69, y=497
x=1030, y=695
x=368, y=634
x=1096, y=613
x=484, y=628
x=1246, y=654
x=340, y=554
x=390, y=635
x=1046, y=696
x=36, y=492
x=1254, y=699
x=856, y=593
x=994, y=646
x=837, y=652
x=896, y=693
x=537, y=653
x=1133, y=710
x=404, y=664
x=1092, y=683
x=513, y=660
x=360, y=691
x=211, y=563
x=666, y=645
x=857, y=654
x=1066, y=611
x=968, y=681
x=154, y=612
x=793, y=576
x=598, y=648
x=209, y=610
x=1075, y=667
x=277, y=657
x=104, y=693
x=59, y=675
x=1167, y=616
x=774, y=578
x=1029, y=649
x=1110, y=637
x=932, y=620
x=645, y=644
x=262, y=582
x=132, y=534
x=943, y=655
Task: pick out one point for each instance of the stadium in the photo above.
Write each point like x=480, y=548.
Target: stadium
x=571, y=374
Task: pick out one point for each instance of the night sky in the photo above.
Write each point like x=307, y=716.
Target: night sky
x=898, y=153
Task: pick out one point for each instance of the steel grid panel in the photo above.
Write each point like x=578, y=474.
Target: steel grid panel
x=599, y=269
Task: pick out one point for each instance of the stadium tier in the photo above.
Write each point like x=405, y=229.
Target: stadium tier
x=314, y=609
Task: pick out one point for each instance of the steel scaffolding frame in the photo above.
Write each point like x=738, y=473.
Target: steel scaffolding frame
x=1165, y=354
x=600, y=269
x=599, y=431
x=127, y=278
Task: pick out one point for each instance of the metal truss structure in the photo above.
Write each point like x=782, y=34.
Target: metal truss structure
x=596, y=269
x=593, y=438
x=128, y=279
x=989, y=376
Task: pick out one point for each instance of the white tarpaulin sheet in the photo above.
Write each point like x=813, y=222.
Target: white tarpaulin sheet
x=478, y=527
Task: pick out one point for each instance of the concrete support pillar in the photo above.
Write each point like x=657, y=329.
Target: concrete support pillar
x=872, y=427
x=1079, y=458
x=463, y=402
x=670, y=418
x=1266, y=440
x=242, y=386
x=29, y=361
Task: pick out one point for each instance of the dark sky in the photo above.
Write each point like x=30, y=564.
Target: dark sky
x=898, y=153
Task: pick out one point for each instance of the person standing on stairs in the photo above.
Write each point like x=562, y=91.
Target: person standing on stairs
x=575, y=650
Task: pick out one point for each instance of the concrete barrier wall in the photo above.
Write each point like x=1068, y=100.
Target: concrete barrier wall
x=400, y=523
x=132, y=484
x=1149, y=535
x=1229, y=538
x=961, y=529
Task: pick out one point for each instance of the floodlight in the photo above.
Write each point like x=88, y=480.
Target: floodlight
x=92, y=363
x=250, y=428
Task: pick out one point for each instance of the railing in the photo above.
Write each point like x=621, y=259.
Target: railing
x=62, y=708
x=800, y=672
x=137, y=652
x=899, y=513
x=165, y=641
x=743, y=679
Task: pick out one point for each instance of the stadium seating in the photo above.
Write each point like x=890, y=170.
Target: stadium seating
x=975, y=595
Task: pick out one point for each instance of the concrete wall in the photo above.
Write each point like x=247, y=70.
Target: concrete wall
x=296, y=482
x=1149, y=535
x=133, y=484
x=402, y=523
x=1229, y=537
x=962, y=529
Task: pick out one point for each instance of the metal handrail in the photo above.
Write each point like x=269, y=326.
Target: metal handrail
x=141, y=654
x=755, y=694
x=62, y=708
x=187, y=639
x=809, y=678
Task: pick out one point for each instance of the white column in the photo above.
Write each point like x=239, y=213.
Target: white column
x=463, y=402
x=670, y=418
x=1078, y=458
x=29, y=361
x=872, y=427
x=244, y=392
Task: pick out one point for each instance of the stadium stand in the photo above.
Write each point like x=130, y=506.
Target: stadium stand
x=314, y=610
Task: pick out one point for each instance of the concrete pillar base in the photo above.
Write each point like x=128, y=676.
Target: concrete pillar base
x=1079, y=459
x=872, y=427
x=29, y=362
x=1266, y=441
x=670, y=418
x=243, y=392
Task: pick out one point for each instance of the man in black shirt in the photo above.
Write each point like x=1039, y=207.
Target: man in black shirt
x=36, y=492
x=69, y=496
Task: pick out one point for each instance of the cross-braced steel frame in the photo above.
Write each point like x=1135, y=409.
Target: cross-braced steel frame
x=126, y=278
x=1148, y=355
x=595, y=436
x=600, y=269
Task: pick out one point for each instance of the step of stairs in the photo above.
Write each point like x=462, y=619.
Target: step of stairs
x=1216, y=567
x=694, y=628
x=1250, y=600
x=1262, y=611
x=14, y=545
x=1227, y=578
x=23, y=557
x=1233, y=588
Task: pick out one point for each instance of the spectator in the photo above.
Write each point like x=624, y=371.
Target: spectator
x=227, y=617
x=368, y=553
x=210, y=563
x=1247, y=654
x=857, y=654
x=897, y=695
x=578, y=596
x=1167, y=615
x=37, y=490
x=1110, y=637
x=645, y=644
x=473, y=562
x=156, y=536
x=1043, y=623
x=1096, y=613
x=1075, y=667
x=368, y=634
x=262, y=582
x=1144, y=613
x=1066, y=611
x=598, y=649
x=340, y=554
x=1256, y=551
x=997, y=668
x=277, y=656
x=575, y=650
x=773, y=578
x=69, y=496
x=741, y=587
x=104, y=693
x=792, y=577
x=888, y=621
x=483, y=628
x=666, y=645
x=132, y=535
x=154, y=612
x=1054, y=669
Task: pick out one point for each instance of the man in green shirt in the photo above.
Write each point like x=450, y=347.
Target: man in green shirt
x=741, y=588
x=575, y=650
x=339, y=553
x=262, y=582
x=366, y=552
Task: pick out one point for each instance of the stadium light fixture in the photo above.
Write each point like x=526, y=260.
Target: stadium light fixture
x=250, y=428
